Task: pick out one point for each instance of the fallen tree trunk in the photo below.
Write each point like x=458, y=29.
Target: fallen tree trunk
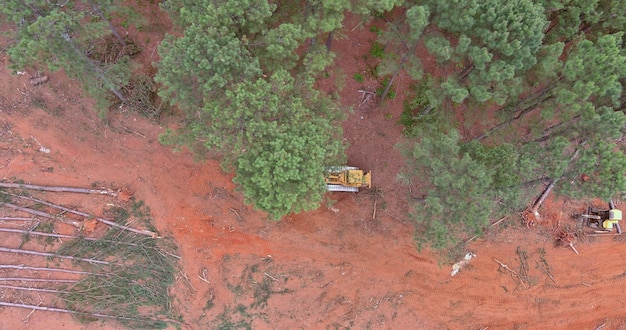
x=59, y=189
x=38, y=233
x=17, y=219
x=41, y=214
x=30, y=289
x=52, y=255
x=22, y=267
x=89, y=216
x=542, y=198
x=61, y=310
x=28, y=279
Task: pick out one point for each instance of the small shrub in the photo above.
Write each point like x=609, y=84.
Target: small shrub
x=358, y=77
x=377, y=50
x=375, y=29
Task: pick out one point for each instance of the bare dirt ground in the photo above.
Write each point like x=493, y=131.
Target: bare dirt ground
x=341, y=268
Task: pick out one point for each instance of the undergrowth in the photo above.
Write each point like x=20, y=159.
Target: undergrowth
x=133, y=287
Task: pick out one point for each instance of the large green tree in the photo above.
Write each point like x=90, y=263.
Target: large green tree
x=461, y=190
x=249, y=97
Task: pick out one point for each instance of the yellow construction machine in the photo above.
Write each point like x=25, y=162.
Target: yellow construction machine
x=346, y=178
x=603, y=221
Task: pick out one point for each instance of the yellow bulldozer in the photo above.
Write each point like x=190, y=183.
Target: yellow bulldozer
x=346, y=178
x=603, y=221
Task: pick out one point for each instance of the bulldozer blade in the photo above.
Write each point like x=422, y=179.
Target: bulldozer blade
x=338, y=187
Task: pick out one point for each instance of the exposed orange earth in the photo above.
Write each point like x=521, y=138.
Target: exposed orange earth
x=339, y=267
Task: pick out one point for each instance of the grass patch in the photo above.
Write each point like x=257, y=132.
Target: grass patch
x=381, y=89
x=358, y=77
x=377, y=50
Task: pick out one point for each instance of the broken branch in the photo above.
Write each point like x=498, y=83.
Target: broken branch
x=270, y=276
x=510, y=270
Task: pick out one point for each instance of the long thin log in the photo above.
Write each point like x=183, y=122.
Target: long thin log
x=46, y=254
x=97, y=71
x=61, y=270
x=61, y=310
x=113, y=29
x=39, y=233
x=17, y=219
x=493, y=224
x=12, y=287
x=41, y=214
x=28, y=279
x=59, y=189
x=546, y=192
x=542, y=198
x=89, y=216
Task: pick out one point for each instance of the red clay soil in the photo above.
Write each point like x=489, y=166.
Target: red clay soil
x=339, y=267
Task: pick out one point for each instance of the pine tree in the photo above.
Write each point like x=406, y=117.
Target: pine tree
x=58, y=37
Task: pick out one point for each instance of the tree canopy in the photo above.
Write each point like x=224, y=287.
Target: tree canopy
x=59, y=36
x=229, y=72
x=557, y=70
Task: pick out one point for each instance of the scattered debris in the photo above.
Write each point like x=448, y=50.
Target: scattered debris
x=41, y=147
x=456, y=268
x=38, y=80
x=567, y=238
x=366, y=96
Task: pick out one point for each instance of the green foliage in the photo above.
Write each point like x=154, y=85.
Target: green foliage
x=454, y=90
x=440, y=47
x=358, y=77
x=233, y=71
x=60, y=37
x=383, y=85
x=459, y=197
x=498, y=41
x=281, y=169
x=277, y=134
x=377, y=50
x=415, y=102
x=572, y=18
x=417, y=18
x=134, y=286
x=595, y=70
x=200, y=64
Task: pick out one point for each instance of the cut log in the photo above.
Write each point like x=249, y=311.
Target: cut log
x=52, y=255
x=59, y=189
x=41, y=214
x=28, y=279
x=542, y=198
x=47, y=269
x=89, y=216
